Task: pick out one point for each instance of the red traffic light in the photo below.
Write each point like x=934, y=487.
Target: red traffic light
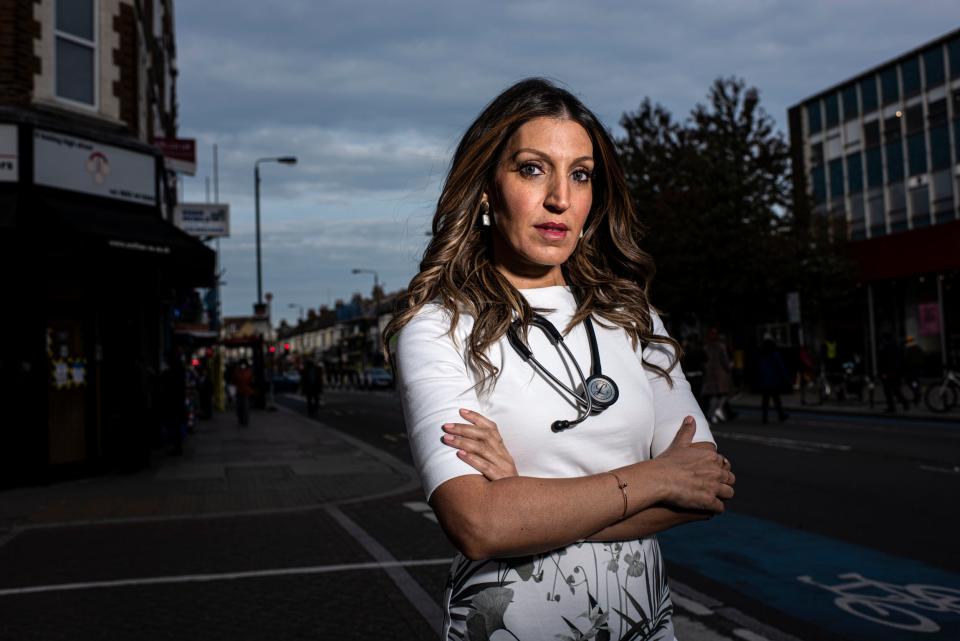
x=273, y=349
x=286, y=347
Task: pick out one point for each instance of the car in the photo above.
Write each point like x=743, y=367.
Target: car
x=286, y=382
x=377, y=378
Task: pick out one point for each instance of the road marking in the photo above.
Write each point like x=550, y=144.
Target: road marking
x=943, y=470
x=690, y=605
x=427, y=606
x=743, y=633
x=787, y=443
x=421, y=508
x=390, y=437
x=225, y=576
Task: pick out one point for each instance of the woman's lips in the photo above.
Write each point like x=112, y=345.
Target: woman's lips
x=552, y=231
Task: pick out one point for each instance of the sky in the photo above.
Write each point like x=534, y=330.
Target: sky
x=372, y=98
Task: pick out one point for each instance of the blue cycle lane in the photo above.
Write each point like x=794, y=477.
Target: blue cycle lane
x=849, y=590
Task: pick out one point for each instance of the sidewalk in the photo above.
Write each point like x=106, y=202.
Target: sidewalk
x=792, y=403
x=280, y=461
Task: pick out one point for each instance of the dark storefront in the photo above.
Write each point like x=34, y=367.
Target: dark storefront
x=93, y=272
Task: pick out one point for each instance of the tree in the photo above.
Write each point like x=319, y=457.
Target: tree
x=714, y=196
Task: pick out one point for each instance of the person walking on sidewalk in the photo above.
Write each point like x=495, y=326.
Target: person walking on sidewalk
x=890, y=366
x=551, y=425
x=717, y=381
x=772, y=377
x=243, y=381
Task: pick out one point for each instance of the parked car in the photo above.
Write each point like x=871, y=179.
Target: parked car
x=286, y=382
x=377, y=378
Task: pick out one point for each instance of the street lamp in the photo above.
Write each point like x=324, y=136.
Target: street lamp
x=283, y=160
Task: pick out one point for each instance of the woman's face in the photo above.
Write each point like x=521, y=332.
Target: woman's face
x=543, y=195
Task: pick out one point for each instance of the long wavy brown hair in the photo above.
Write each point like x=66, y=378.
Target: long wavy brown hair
x=608, y=273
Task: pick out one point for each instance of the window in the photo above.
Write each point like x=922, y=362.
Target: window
x=819, y=178
x=850, y=108
x=871, y=133
x=942, y=196
x=940, y=147
x=875, y=213
x=76, y=47
x=836, y=178
x=816, y=154
x=937, y=112
x=832, y=107
x=911, y=77
x=920, y=206
x=897, y=214
x=868, y=93
x=915, y=119
x=933, y=67
x=891, y=129
x=917, y=154
x=874, y=167
x=889, y=86
x=814, y=124
x=894, y=153
x=854, y=174
x=953, y=51
x=858, y=227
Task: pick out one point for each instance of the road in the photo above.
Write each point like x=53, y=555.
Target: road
x=820, y=498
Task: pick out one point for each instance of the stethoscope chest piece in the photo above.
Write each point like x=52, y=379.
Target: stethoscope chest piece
x=603, y=392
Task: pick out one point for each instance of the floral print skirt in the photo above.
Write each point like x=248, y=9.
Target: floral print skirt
x=588, y=590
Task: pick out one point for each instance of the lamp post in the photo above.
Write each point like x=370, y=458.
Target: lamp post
x=283, y=160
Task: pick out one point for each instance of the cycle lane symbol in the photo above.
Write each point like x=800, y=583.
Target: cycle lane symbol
x=905, y=607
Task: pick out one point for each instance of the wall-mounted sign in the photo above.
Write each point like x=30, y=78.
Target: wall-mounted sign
x=179, y=154
x=9, y=168
x=93, y=168
x=929, y=317
x=202, y=219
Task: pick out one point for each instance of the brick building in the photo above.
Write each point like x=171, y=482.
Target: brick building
x=94, y=269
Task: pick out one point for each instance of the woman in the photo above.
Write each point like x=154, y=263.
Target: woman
x=551, y=495
x=717, y=381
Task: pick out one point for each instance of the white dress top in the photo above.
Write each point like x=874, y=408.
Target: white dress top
x=521, y=598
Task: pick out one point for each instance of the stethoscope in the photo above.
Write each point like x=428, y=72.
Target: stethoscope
x=600, y=391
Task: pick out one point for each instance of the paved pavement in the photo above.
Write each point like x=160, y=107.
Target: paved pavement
x=850, y=407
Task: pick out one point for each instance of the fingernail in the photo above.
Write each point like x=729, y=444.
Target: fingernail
x=448, y=438
x=447, y=426
x=688, y=420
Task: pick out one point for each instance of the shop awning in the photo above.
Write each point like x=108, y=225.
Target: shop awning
x=929, y=250
x=136, y=232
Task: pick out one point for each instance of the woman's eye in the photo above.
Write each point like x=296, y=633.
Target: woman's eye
x=530, y=169
x=582, y=175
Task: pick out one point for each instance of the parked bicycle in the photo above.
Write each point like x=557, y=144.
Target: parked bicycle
x=942, y=396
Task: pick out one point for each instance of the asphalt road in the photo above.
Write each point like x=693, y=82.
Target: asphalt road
x=837, y=525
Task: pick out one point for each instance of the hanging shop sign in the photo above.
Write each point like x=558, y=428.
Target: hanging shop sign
x=9, y=168
x=179, y=154
x=82, y=165
x=202, y=219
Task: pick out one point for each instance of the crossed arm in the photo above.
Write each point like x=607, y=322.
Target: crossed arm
x=503, y=514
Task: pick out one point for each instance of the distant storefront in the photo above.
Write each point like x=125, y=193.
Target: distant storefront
x=94, y=271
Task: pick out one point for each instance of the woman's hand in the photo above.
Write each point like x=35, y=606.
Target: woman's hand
x=695, y=478
x=479, y=445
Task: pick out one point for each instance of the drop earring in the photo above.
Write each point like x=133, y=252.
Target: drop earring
x=485, y=213
x=581, y=232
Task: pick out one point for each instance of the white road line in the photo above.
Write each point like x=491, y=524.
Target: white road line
x=224, y=576
x=788, y=443
x=690, y=605
x=422, y=508
x=943, y=470
x=747, y=635
x=390, y=437
x=427, y=606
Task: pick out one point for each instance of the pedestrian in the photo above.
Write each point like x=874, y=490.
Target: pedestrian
x=243, y=382
x=312, y=384
x=772, y=377
x=913, y=367
x=890, y=369
x=205, y=391
x=546, y=481
x=717, y=381
x=173, y=406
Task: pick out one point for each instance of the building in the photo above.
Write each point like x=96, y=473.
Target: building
x=96, y=275
x=879, y=153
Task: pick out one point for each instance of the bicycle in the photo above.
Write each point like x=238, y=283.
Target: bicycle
x=942, y=397
x=890, y=604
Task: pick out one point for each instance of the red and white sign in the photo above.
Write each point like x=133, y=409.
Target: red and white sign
x=179, y=154
x=89, y=167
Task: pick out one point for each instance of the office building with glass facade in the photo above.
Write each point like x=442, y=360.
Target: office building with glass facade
x=880, y=154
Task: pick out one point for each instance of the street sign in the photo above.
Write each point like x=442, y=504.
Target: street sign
x=206, y=220
x=179, y=154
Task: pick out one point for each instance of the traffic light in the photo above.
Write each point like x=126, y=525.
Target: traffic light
x=273, y=348
x=286, y=348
